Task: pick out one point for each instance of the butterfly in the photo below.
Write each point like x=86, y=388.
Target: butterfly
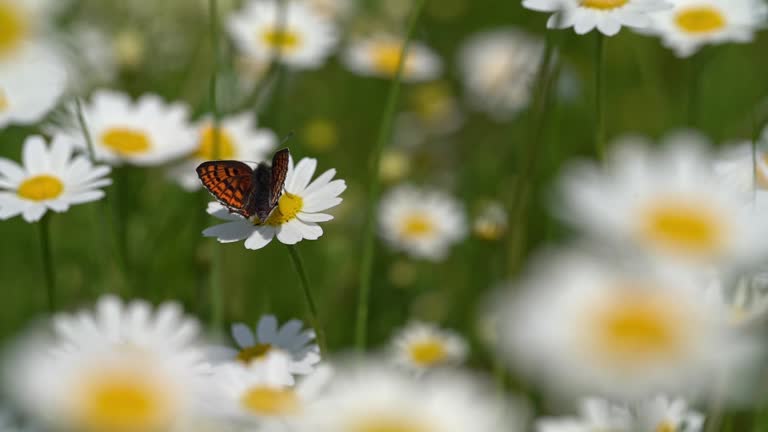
x=245, y=190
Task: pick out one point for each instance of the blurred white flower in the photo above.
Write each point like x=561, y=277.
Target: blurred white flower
x=303, y=37
x=742, y=170
x=499, y=69
x=433, y=110
x=745, y=298
x=239, y=139
x=628, y=332
x=296, y=217
x=423, y=223
x=371, y=397
x=334, y=9
x=51, y=178
x=691, y=24
x=667, y=203
x=379, y=56
x=91, y=59
x=662, y=413
x=290, y=339
x=421, y=346
x=595, y=414
x=607, y=16
x=148, y=132
x=491, y=222
x=123, y=367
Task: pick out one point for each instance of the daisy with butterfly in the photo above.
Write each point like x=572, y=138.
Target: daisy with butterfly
x=261, y=203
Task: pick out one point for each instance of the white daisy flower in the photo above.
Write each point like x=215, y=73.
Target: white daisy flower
x=607, y=16
x=376, y=398
x=148, y=132
x=595, y=414
x=667, y=203
x=290, y=339
x=122, y=367
x=423, y=223
x=49, y=179
x=239, y=139
x=25, y=22
x=303, y=37
x=379, y=56
x=628, y=332
x=691, y=24
x=662, y=414
x=499, y=69
x=296, y=217
x=742, y=170
x=421, y=346
x=264, y=393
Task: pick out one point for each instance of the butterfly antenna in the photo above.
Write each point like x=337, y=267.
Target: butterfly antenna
x=287, y=138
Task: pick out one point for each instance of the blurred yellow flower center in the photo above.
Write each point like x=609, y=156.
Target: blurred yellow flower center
x=287, y=208
x=125, y=141
x=386, y=58
x=210, y=149
x=270, y=401
x=603, y=4
x=40, y=188
x=417, y=225
x=387, y=424
x=4, y=105
x=247, y=355
x=700, y=19
x=13, y=27
x=282, y=39
x=428, y=352
x=666, y=427
x=123, y=401
x=636, y=327
x=321, y=135
x=433, y=102
x=680, y=227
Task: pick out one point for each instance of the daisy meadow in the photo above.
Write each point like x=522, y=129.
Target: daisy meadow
x=290, y=339
x=122, y=367
x=607, y=16
x=499, y=69
x=302, y=37
x=691, y=24
x=147, y=132
x=51, y=178
x=628, y=332
x=595, y=414
x=296, y=217
x=379, y=56
x=371, y=397
x=422, y=223
x=668, y=203
x=421, y=346
x=239, y=139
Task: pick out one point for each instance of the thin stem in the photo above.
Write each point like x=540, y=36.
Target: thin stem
x=298, y=264
x=84, y=128
x=600, y=96
x=47, y=260
x=384, y=137
x=216, y=260
x=753, y=144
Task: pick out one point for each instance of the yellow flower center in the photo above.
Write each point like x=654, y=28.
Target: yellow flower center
x=321, y=135
x=283, y=40
x=386, y=58
x=287, y=208
x=126, y=141
x=387, y=423
x=417, y=226
x=428, y=352
x=13, y=26
x=680, y=227
x=125, y=401
x=211, y=149
x=700, y=19
x=4, y=104
x=433, y=102
x=603, y=4
x=632, y=328
x=41, y=188
x=268, y=401
x=666, y=427
x=256, y=352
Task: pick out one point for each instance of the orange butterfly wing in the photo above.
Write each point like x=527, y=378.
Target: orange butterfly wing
x=230, y=182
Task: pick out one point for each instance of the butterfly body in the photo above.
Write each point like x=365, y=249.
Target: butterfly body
x=243, y=190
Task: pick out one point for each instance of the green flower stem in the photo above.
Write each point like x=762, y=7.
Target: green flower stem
x=216, y=293
x=298, y=265
x=47, y=260
x=600, y=96
x=384, y=137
